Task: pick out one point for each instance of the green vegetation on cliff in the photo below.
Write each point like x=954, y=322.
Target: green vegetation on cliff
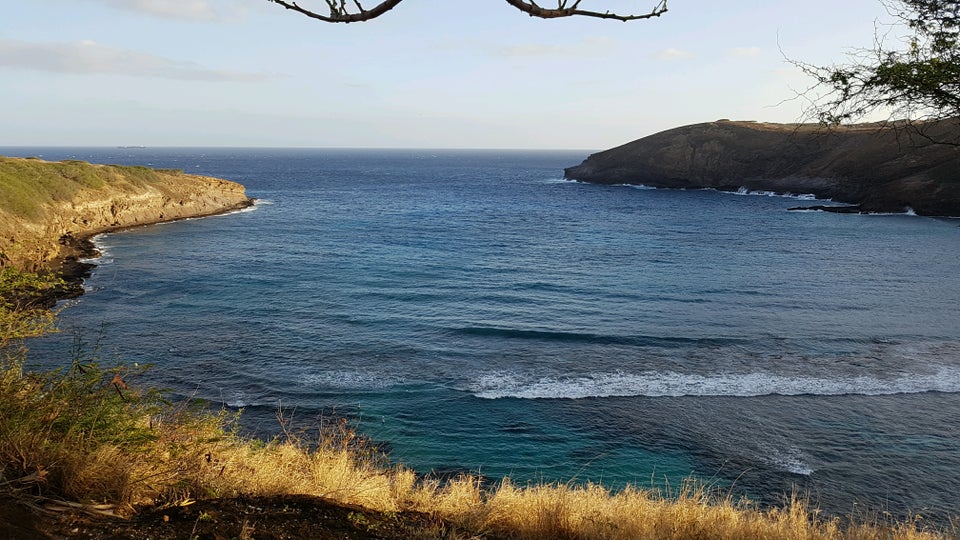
x=27, y=186
x=43, y=203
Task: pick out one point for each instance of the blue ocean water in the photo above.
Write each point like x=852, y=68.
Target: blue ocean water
x=473, y=311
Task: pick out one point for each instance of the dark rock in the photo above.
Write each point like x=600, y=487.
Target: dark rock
x=877, y=168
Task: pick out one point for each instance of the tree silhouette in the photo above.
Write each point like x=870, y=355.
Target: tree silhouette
x=342, y=11
x=918, y=80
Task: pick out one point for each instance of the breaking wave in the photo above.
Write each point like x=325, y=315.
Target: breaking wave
x=763, y=193
x=671, y=384
x=349, y=380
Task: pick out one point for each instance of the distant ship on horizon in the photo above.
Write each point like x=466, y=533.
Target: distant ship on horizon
x=133, y=146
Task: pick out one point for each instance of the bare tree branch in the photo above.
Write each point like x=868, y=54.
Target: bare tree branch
x=532, y=9
x=340, y=12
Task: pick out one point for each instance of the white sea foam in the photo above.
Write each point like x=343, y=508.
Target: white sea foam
x=239, y=400
x=673, y=384
x=790, y=459
x=98, y=241
x=762, y=193
x=350, y=380
x=245, y=209
x=237, y=404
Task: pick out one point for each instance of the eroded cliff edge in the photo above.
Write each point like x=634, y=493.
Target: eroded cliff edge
x=48, y=208
x=878, y=169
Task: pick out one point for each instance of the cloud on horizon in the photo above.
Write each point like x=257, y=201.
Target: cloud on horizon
x=584, y=47
x=673, y=54
x=744, y=52
x=89, y=57
x=197, y=10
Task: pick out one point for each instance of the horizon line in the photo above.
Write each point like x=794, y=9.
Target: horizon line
x=224, y=147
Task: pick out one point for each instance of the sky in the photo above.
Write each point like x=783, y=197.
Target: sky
x=429, y=74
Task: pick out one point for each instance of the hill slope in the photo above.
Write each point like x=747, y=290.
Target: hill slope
x=46, y=206
x=882, y=170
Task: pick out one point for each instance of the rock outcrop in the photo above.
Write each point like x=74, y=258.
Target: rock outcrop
x=879, y=169
x=48, y=208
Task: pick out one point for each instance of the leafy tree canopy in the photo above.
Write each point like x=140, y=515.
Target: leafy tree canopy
x=917, y=80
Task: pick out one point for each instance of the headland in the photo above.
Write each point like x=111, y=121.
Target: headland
x=876, y=168
x=50, y=210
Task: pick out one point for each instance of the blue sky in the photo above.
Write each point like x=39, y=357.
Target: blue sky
x=429, y=74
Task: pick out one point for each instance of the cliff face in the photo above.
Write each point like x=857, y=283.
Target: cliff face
x=882, y=170
x=45, y=207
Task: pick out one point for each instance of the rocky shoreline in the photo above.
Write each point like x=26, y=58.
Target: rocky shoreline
x=73, y=265
x=50, y=211
x=869, y=168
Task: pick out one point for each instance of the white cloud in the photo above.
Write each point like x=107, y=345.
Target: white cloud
x=744, y=52
x=90, y=57
x=531, y=49
x=198, y=10
x=585, y=47
x=673, y=54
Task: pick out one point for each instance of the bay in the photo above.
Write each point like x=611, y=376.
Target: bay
x=472, y=311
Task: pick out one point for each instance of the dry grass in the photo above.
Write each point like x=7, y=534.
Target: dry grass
x=105, y=449
x=26, y=185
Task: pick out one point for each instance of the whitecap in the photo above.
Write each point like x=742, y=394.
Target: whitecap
x=742, y=190
x=239, y=400
x=672, y=384
x=349, y=380
x=790, y=459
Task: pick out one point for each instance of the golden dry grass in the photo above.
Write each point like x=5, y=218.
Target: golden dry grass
x=169, y=454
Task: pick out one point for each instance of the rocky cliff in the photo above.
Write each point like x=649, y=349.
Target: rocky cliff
x=880, y=170
x=46, y=208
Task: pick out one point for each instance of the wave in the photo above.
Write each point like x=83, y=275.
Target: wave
x=350, y=380
x=907, y=211
x=588, y=337
x=742, y=190
x=763, y=193
x=102, y=250
x=672, y=384
x=791, y=460
x=635, y=186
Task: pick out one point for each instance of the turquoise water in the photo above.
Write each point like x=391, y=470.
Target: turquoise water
x=472, y=311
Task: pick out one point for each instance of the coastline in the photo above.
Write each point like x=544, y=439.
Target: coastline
x=51, y=210
x=74, y=265
x=862, y=166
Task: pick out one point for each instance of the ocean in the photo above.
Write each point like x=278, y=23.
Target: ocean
x=471, y=311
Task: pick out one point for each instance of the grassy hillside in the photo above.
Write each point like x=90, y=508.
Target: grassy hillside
x=42, y=202
x=28, y=186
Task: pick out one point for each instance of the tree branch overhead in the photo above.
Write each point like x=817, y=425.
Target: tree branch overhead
x=342, y=12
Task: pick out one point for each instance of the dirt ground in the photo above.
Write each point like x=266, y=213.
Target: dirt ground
x=266, y=518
